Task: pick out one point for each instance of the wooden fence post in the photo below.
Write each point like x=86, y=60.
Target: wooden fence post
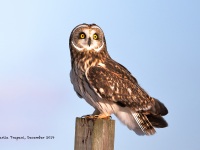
x=95, y=134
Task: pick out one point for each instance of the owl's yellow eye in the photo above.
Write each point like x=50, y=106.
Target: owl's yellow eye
x=95, y=36
x=82, y=35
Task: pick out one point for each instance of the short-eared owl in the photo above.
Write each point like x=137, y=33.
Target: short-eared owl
x=108, y=86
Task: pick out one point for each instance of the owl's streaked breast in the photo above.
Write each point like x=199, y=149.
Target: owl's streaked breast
x=79, y=81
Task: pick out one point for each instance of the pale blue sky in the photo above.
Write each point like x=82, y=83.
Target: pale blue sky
x=157, y=40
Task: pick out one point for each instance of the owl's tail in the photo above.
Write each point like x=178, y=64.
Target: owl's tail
x=144, y=123
x=153, y=119
x=137, y=122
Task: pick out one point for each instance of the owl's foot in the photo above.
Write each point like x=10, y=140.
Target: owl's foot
x=100, y=116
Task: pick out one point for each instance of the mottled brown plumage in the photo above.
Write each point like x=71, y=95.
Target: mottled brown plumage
x=108, y=86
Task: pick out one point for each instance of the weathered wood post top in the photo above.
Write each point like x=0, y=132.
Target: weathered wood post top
x=94, y=134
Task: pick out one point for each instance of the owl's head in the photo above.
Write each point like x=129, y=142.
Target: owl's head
x=87, y=37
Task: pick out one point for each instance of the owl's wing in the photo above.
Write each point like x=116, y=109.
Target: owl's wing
x=112, y=81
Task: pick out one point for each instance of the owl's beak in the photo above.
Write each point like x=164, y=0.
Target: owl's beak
x=89, y=42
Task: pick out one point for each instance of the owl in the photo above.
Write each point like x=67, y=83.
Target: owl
x=108, y=86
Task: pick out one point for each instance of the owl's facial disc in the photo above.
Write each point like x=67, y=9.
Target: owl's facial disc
x=88, y=38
